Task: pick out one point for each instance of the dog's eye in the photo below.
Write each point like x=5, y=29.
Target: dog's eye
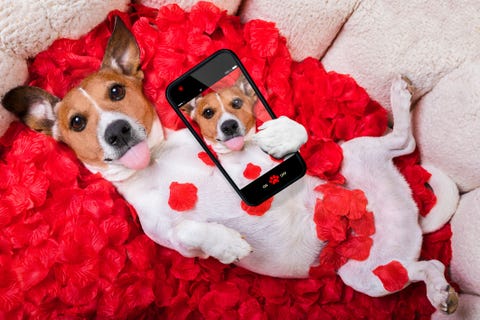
x=237, y=103
x=117, y=92
x=208, y=113
x=78, y=123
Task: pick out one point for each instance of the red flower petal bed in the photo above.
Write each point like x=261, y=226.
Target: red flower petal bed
x=71, y=247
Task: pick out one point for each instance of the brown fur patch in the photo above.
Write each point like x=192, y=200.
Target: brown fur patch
x=86, y=143
x=245, y=114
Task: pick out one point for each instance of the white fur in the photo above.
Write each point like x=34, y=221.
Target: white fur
x=447, y=200
x=280, y=137
x=368, y=166
x=278, y=251
x=283, y=242
x=42, y=110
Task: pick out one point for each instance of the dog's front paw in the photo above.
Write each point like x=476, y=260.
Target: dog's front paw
x=230, y=247
x=210, y=239
x=281, y=136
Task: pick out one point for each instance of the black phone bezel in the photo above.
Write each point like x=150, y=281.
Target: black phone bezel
x=254, y=193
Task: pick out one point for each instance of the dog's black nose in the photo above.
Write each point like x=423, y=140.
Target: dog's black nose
x=229, y=127
x=118, y=133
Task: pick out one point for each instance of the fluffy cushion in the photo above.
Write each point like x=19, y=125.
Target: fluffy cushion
x=465, y=267
x=28, y=27
x=71, y=246
x=446, y=123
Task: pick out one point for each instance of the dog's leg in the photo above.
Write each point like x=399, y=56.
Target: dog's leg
x=439, y=292
x=204, y=239
x=400, y=141
x=362, y=276
x=364, y=154
x=281, y=136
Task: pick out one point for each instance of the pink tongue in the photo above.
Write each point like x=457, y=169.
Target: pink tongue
x=138, y=157
x=235, y=144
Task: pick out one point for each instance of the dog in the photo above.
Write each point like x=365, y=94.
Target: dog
x=225, y=116
x=227, y=121
x=114, y=130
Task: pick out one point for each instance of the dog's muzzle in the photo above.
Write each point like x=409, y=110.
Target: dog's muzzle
x=230, y=128
x=130, y=148
x=118, y=134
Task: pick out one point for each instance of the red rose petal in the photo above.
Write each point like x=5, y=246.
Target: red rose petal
x=357, y=248
x=183, y=196
x=365, y=226
x=393, y=275
x=202, y=155
x=343, y=221
x=252, y=171
x=257, y=210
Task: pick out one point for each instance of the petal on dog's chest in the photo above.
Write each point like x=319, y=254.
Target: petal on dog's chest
x=259, y=210
x=183, y=196
x=205, y=158
x=252, y=171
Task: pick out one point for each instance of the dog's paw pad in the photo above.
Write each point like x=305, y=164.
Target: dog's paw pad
x=450, y=304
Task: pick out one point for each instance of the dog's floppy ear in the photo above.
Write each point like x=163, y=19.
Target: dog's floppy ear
x=245, y=86
x=122, y=53
x=189, y=108
x=33, y=106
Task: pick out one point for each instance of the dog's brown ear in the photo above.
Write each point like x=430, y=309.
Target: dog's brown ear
x=245, y=86
x=122, y=53
x=189, y=108
x=33, y=106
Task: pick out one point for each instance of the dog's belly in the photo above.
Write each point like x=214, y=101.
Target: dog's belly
x=284, y=239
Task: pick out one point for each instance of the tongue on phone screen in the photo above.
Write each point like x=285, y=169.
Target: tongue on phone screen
x=235, y=144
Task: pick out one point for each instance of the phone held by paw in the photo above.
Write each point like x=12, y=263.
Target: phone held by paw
x=223, y=108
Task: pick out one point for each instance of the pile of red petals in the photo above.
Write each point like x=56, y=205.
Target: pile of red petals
x=71, y=247
x=343, y=222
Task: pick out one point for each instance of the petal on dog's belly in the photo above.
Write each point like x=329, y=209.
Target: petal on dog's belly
x=138, y=157
x=235, y=144
x=183, y=196
x=252, y=171
x=259, y=210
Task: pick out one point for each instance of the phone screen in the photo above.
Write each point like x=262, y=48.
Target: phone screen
x=222, y=107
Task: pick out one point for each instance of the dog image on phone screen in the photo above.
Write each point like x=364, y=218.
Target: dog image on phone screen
x=225, y=116
x=114, y=130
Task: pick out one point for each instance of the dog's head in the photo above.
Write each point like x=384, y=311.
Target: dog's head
x=106, y=120
x=225, y=116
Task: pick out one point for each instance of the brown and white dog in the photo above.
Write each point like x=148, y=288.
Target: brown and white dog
x=225, y=116
x=115, y=131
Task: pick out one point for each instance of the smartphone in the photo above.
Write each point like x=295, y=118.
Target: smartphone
x=223, y=108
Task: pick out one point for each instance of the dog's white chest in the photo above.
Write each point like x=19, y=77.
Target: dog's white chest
x=286, y=222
